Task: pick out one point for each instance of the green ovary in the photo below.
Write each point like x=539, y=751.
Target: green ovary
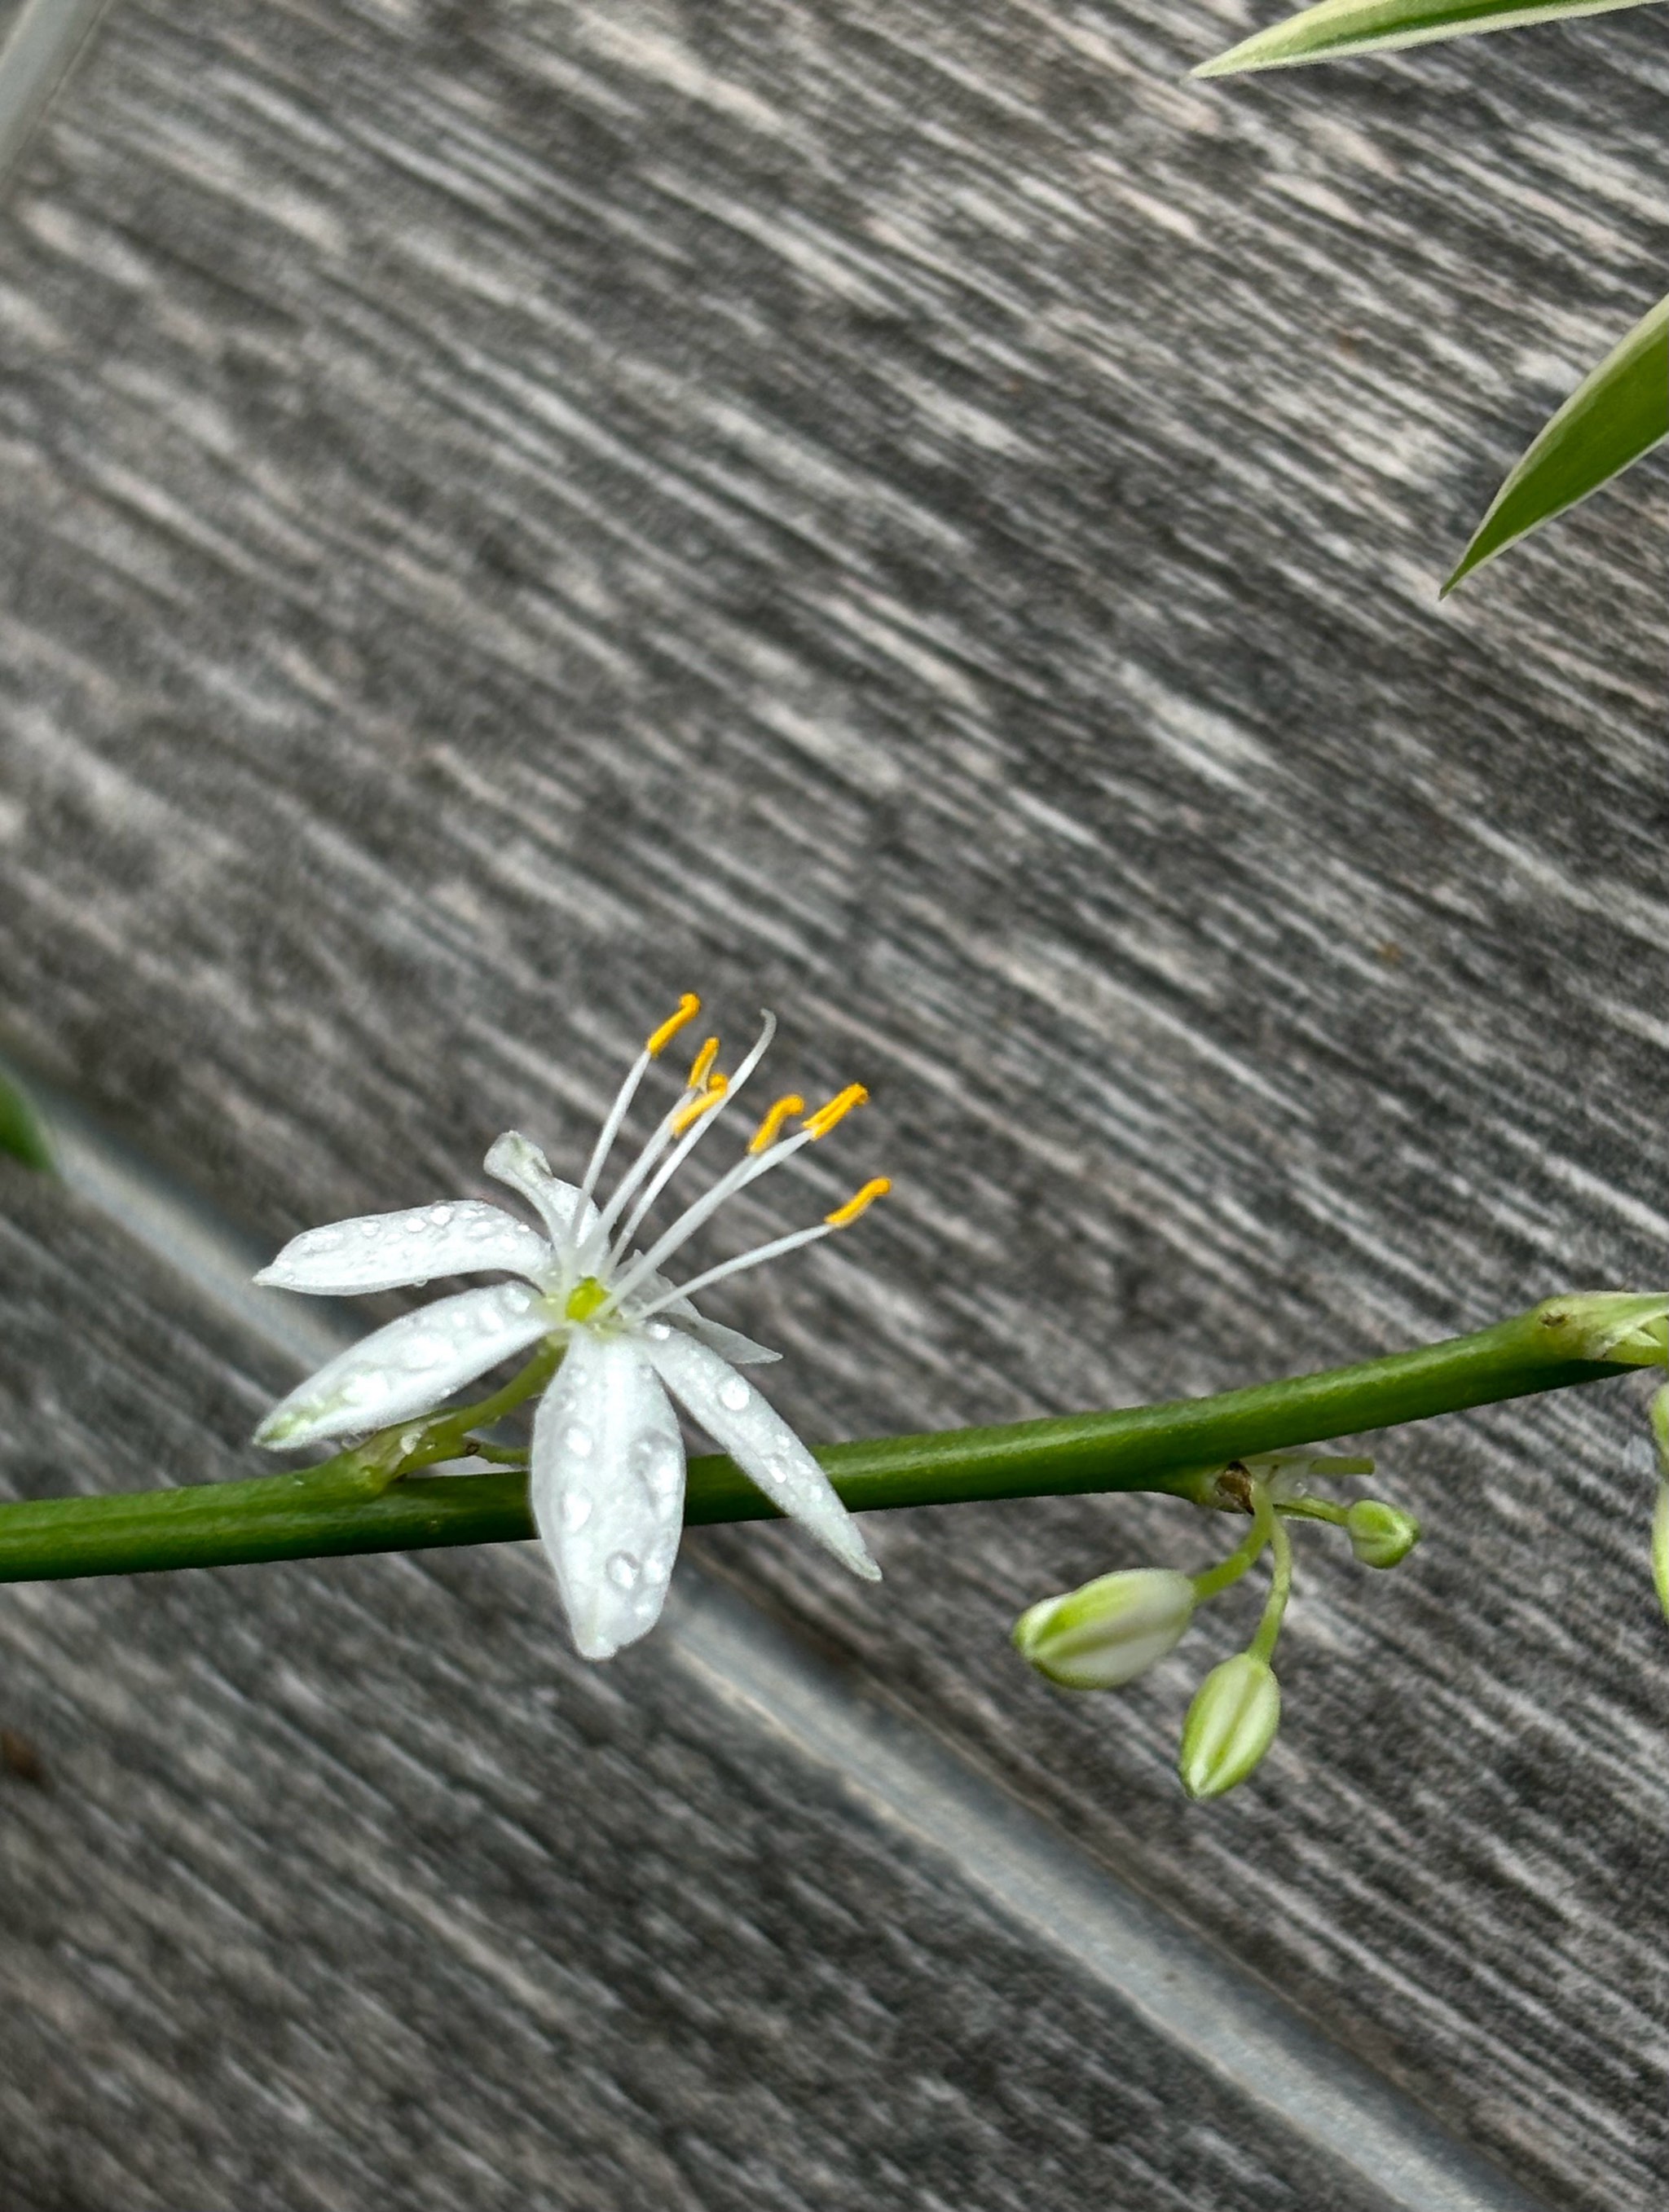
x=584, y=1299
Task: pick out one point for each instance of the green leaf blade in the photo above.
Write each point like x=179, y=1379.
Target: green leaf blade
x=1619, y=411
x=22, y=1136
x=1337, y=28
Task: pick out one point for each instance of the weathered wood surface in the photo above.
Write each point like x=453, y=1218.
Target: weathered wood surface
x=340, y=1885
x=920, y=517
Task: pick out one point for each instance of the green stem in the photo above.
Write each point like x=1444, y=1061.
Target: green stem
x=1280, y=1589
x=1245, y=1554
x=344, y=1506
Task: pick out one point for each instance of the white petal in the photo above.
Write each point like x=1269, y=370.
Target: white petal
x=760, y=1441
x=607, y=1490
x=381, y=1251
x=564, y=1207
x=409, y=1367
x=729, y=1343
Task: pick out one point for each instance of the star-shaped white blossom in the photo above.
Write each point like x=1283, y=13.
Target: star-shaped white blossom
x=607, y=1468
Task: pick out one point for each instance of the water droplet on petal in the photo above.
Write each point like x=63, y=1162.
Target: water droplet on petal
x=622, y=1569
x=576, y=1511
x=412, y=1225
x=658, y=1463
x=370, y=1230
x=658, y=1331
x=733, y=1394
x=577, y=1439
x=439, y=1215
x=323, y=1240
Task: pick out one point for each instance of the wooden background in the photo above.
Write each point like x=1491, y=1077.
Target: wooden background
x=919, y=517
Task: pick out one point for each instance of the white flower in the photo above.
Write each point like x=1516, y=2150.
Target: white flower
x=606, y=1476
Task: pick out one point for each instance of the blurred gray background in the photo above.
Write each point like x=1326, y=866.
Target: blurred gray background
x=924, y=518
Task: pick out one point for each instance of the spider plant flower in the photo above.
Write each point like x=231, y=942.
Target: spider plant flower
x=606, y=1463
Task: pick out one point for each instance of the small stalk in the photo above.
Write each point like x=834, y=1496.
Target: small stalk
x=1261, y=1646
x=1244, y=1555
x=367, y=1499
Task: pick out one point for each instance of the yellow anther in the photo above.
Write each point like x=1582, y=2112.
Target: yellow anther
x=771, y=1127
x=865, y=1199
x=820, y=1123
x=702, y=1067
x=709, y=1099
x=688, y=1007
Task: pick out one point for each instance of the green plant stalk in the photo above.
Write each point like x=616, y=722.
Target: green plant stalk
x=352, y=1502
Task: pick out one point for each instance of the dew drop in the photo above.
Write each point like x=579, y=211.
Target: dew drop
x=576, y=1511
x=733, y=1394
x=323, y=1240
x=576, y=1438
x=622, y=1569
x=657, y=1462
x=370, y=1230
x=658, y=1331
x=413, y=1224
x=439, y=1215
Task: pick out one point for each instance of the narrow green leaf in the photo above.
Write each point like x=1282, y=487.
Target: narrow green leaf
x=1618, y=413
x=21, y=1136
x=1337, y=28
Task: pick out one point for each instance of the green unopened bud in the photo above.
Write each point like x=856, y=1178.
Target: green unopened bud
x=1380, y=1535
x=1109, y=1631
x=1230, y=1725
x=1629, y=1328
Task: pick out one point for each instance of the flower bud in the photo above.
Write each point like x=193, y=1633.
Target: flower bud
x=1230, y=1725
x=1109, y=1631
x=1380, y=1535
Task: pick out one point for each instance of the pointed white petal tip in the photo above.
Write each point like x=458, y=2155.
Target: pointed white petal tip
x=564, y=1207
x=515, y=1159
x=761, y=1443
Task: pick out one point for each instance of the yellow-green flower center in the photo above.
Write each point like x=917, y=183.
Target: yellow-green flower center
x=585, y=1297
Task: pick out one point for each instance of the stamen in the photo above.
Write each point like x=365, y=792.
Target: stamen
x=612, y=1119
x=669, y=1167
x=688, y=1007
x=774, y=1250
x=819, y=1123
x=842, y=1215
x=702, y=1067
x=687, y=1116
x=771, y=1127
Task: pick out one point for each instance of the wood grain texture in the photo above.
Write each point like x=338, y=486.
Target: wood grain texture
x=920, y=518
x=343, y=1884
